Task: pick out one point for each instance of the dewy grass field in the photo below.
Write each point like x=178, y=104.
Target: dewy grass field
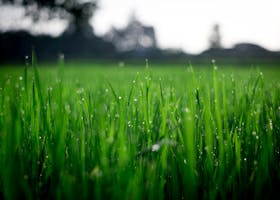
x=139, y=133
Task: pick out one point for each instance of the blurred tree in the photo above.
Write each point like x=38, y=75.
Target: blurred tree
x=134, y=37
x=215, y=37
x=77, y=12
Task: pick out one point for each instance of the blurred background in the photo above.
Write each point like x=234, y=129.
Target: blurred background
x=132, y=30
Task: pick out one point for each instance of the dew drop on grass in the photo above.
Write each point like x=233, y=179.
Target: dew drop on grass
x=129, y=124
x=80, y=91
x=50, y=89
x=216, y=163
x=187, y=110
x=155, y=147
x=20, y=78
x=270, y=124
x=120, y=97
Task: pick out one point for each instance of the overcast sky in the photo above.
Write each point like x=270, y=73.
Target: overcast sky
x=187, y=23
x=182, y=24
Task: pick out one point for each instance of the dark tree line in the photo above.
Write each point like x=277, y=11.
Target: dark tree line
x=77, y=42
x=135, y=40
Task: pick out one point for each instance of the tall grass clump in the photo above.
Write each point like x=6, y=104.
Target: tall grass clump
x=153, y=133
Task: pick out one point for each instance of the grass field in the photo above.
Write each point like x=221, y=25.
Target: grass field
x=148, y=132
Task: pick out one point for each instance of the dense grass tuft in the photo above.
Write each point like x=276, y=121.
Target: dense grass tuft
x=151, y=133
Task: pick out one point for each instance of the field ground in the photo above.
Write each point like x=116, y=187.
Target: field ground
x=142, y=132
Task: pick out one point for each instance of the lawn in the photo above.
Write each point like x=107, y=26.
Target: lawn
x=109, y=131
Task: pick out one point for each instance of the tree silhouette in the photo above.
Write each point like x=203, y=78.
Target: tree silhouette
x=134, y=37
x=77, y=12
x=215, y=37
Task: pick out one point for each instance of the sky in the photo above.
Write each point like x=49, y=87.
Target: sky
x=187, y=24
x=13, y=18
x=183, y=24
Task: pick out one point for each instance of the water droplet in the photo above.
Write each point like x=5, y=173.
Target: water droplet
x=270, y=124
x=155, y=147
x=187, y=110
x=80, y=91
x=50, y=89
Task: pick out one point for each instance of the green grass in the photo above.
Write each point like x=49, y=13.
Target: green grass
x=105, y=132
